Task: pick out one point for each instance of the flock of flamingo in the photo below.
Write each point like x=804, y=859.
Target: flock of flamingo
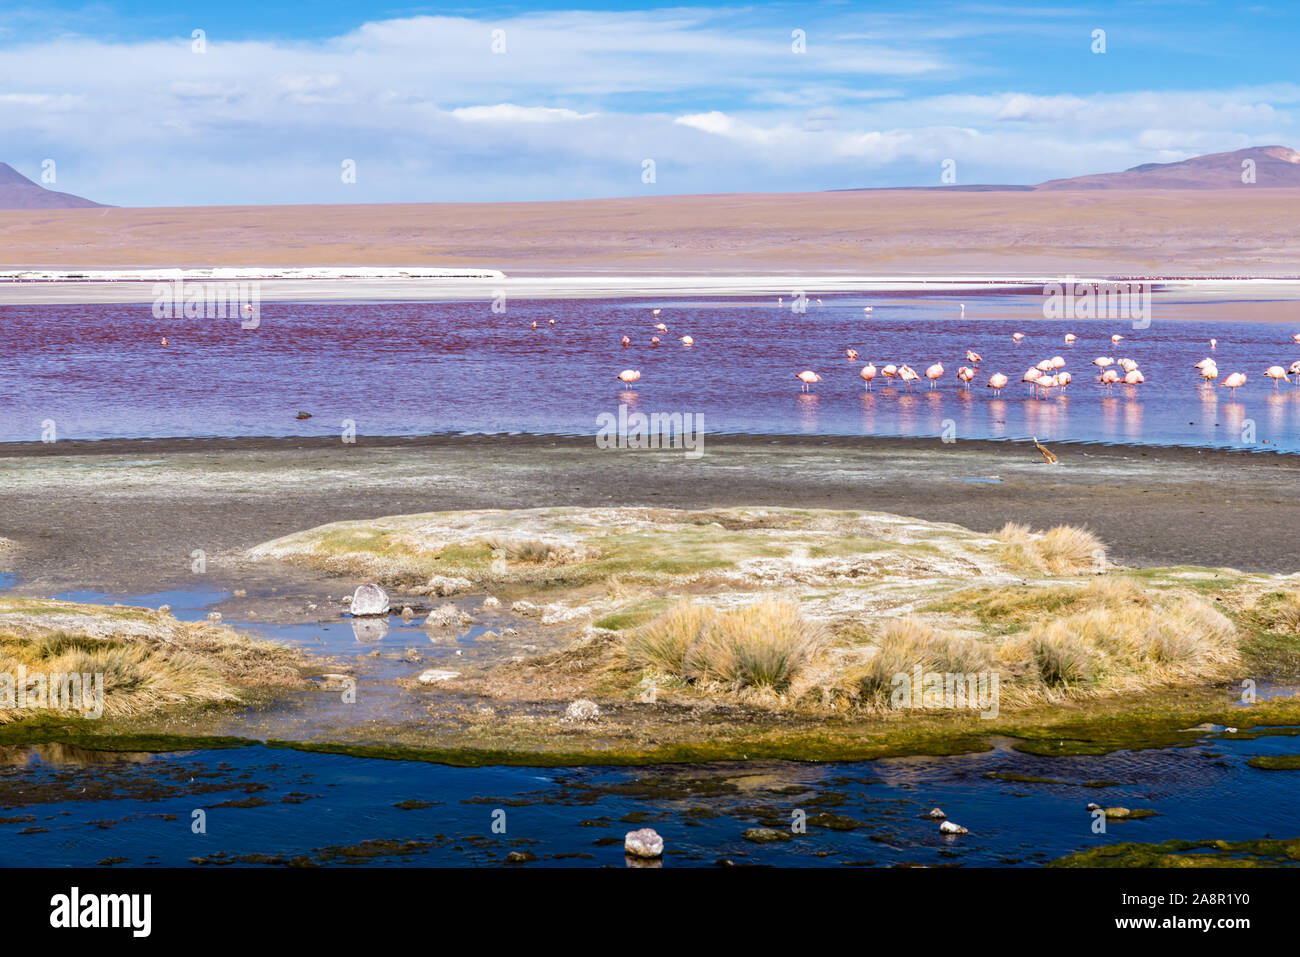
x=1045, y=376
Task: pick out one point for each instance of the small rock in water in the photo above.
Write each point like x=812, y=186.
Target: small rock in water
x=240, y=593
x=947, y=827
x=434, y=675
x=164, y=609
x=1093, y=807
x=581, y=711
x=937, y=814
x=520, y=857
x=1117, y=813
x=369, y=600
x=491, y=601
x=304, y=415
x=644, y=843
x=765, y=835
x=407, y=613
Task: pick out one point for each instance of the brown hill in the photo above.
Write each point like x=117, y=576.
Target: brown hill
x=19, y=192
x=1275, y=166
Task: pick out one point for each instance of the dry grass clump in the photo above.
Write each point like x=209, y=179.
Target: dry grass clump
x=146, y=660
x=906, y=643
x=535, y=551
x=760, y=646
x=1122, y=637
x=1058, y=551
x=1282, y=616
x=136, y=679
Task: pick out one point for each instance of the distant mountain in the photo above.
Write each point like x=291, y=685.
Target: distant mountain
x=19, y=192
x=1275, y=166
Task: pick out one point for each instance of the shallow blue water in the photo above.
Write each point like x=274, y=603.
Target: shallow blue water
x=403, y=368
x=303, y=804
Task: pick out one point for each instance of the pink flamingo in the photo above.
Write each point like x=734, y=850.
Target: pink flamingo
x=1116, y=339
x=628, y=376
x=890, y=371
x=934, y=374
x=807, y=377
x=1017, y=336
x=1134, y=377
x=997, y=382
x=974, y=357
x=966, y=374
x=654, y=340
x=626, y=342
x=908, y=375
x=687, y=341
x=1276, y=373
x=1032, y=376
x=1063, y=378
x=1108, y=378
x=1234, y=382
x=1069, y=338
x=851, y=354
x=868, y=373
x=660, y=327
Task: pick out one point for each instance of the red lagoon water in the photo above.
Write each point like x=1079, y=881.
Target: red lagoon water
x=100, y=371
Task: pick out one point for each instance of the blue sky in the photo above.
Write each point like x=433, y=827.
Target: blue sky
x=283, y=94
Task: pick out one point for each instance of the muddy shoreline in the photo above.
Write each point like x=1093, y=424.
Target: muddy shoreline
x=125, y=515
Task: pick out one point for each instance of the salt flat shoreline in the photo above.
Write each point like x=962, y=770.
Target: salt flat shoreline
x=416, y=284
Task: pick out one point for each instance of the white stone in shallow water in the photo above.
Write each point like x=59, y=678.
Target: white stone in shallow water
x=947, y=827
x=644, y=843
x=937, y=814
x=369, y=600
x=434, y=675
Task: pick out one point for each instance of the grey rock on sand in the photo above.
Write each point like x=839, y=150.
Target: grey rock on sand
x=369, y=600
x=644, y=843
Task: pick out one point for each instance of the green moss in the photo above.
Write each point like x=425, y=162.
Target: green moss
x=1276, y=762
x=1264, y=852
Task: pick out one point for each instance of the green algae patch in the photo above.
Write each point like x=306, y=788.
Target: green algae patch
x=1275, y=762
x=1264, y=852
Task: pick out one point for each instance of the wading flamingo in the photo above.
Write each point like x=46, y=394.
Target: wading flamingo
x=626, y=342
x=1102, y=361
x=1063, y=378
x=868, y=373
x=534, y=323
x=807, y=377
x=628, y=376
x=908, y=375
x=1069, y=338
x=890, y=371
x=1276, y=373
x=1134, y=377
x=997, y=382
x=1234, y=382
x=851, y=354
x=934, y=374
x=1294, y=370
x=1108, y=378
x=654, y=340
x=1031, y=377
x=1296, y=337
x=1017, y=336
x=1209, y=371
x=660, y=327
x=966, y=374
x=1214, y=343
x=164, y=342
x=972, y=356
x=1115, y=339
x=687, y=341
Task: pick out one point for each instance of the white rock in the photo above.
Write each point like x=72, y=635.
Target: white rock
x=448, y=614
x=644, y=843
x=445, y=585
x=947, y=827
x=524, y=608
x=581, y=712
x=434, y=675
x=937, y=814
x=491, y=601
x=369, y=600
x=214, y=617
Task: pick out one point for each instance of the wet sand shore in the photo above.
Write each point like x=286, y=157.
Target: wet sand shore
x=124, y=516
